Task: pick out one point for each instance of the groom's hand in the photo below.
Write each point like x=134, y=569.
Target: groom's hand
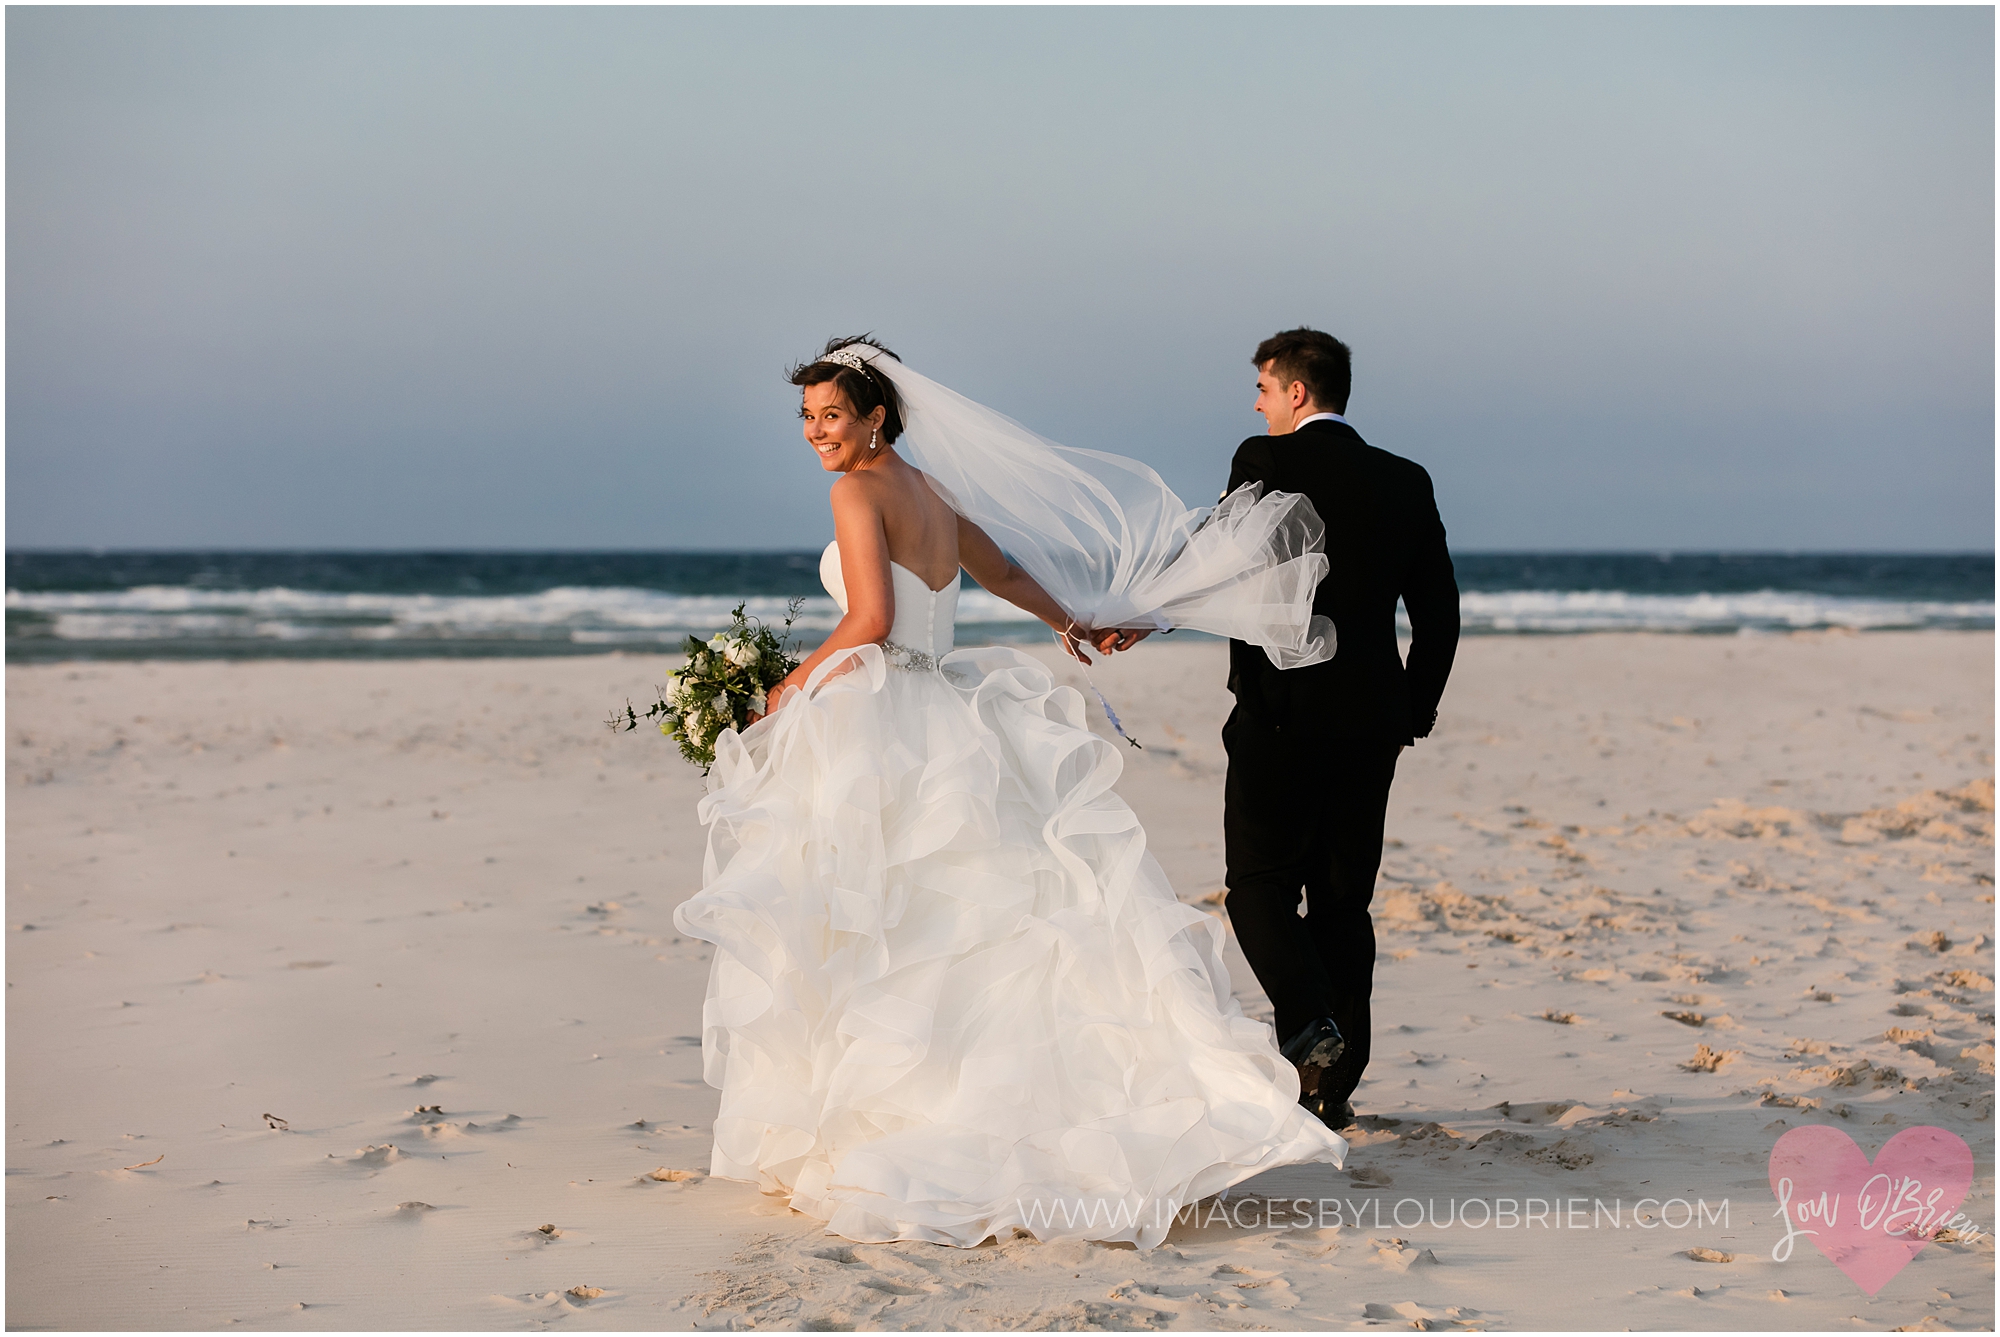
x=1109, y=642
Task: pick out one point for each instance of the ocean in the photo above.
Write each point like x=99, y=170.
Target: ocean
x=379, y=605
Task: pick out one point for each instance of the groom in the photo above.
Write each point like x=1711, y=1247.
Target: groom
x=1312, y=750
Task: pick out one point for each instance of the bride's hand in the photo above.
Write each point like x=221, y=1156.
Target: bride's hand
x=775, y=698
x=1073, y=639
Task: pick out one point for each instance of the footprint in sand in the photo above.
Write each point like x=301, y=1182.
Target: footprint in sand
x=1533, y=1112
x=1397, y=1255
x=1709, y=1060
x=370, y=1158
x=798, y=1280
x=1293, y=1245
x=553, y=1304
x=1501, y=1143
x=1142, y=1296
x=662, y=1175
x=1249, y=1288
x=1413, y=1315
x=1430, y=1137
x=507, y=1124
x=1568, y=1153
x=1087, y=1315
x=1791, y=1102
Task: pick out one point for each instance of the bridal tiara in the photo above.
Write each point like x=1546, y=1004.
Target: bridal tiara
x=847, y=357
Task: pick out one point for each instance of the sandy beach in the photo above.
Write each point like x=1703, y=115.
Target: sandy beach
x=346, y=995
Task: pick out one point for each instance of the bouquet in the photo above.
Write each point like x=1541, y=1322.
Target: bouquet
x=725, y=680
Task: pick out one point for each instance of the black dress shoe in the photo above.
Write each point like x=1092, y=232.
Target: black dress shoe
x=1314, y=1050
x=1335, y=1114
x=1317, y=1046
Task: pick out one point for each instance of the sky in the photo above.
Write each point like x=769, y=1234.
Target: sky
x=1630, y=278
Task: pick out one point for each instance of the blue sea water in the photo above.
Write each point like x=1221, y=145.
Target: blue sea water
x=242, y=605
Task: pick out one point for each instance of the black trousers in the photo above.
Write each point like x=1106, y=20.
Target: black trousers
x=1303, y=817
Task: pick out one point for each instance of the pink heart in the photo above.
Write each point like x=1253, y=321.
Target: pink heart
x=1871, y=1220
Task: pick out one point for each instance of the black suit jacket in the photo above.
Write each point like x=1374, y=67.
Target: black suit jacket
x=1384, y=539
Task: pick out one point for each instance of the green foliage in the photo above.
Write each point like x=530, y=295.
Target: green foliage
x=725, y=679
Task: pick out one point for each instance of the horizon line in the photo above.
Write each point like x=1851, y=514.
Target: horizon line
x=95, y=550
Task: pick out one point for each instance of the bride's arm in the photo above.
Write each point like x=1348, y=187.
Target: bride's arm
x=983, y=560
x=864, y=565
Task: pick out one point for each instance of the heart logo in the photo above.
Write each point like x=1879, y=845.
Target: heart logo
x=1870, y=1219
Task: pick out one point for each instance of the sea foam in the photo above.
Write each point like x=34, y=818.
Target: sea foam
x=612, y=616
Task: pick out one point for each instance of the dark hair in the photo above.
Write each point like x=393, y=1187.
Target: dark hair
x=864, y=390
x=1320, y=360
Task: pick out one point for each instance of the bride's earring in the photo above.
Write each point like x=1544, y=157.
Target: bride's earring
x=872, y=443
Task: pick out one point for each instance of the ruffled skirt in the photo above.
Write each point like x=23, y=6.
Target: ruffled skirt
x=952, y=994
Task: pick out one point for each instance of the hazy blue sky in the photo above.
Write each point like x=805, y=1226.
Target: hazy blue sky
x=1626, y=278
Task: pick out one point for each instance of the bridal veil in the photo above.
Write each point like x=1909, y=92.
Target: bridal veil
x=1108, y=539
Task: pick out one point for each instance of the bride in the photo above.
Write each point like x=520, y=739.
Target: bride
x=953, y=996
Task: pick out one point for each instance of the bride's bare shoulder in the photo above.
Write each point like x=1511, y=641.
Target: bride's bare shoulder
x=906, y=494
x=858, y=488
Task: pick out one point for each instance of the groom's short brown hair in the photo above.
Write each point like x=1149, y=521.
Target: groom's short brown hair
x=1318, y=359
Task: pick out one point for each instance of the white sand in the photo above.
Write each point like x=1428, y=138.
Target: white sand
x=427, y=906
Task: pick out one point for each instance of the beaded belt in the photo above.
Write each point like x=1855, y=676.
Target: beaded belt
x=903, y=657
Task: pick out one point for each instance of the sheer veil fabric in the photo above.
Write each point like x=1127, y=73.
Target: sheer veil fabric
x=953, y=995
x=1109, y=539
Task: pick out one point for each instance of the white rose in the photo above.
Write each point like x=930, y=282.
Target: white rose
x=742, y=654
x=718, y=641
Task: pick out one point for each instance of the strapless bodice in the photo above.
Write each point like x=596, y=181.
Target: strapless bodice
x=921, y=631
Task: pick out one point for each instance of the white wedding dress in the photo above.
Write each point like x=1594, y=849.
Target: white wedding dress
x=952, y=993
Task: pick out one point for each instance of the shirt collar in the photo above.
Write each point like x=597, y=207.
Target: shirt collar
x=1319, y=417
